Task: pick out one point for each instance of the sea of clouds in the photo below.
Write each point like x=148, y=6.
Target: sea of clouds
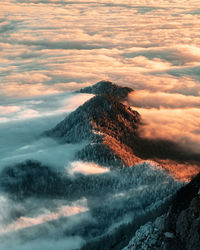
x=51, y=47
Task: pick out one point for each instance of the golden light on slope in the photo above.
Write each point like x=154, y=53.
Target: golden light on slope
x=124, y=152
x=180, y=171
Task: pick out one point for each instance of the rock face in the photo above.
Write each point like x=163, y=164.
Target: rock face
x=147, y=237
x=178, y=229
x=183, y=218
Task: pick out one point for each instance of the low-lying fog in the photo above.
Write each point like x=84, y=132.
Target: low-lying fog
x=48, y=47
x=65, y=203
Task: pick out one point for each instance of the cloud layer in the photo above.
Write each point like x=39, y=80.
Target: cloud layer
x=49, y=46
x=179, y=125
x=52, y=46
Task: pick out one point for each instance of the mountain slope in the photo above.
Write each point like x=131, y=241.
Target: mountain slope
x=105, y=122
x=118, y=199
x=179, y=228
x=183, y=218
x=111, y=129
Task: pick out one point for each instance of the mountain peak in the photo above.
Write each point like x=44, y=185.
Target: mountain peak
x=111, y=130
x=104, y=122
x=107, y=87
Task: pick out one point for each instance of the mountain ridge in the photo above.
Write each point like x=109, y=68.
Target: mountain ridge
x=109, y=130
x=100, y=120
x=112, y=127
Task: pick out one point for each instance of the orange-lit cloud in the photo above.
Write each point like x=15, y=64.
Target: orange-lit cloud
x=179, y=125
x=63, y=211
x=58, y=45
x=147, y=99
x=26, y=90
x=87, y=168
x=4, y=110
x=52, y=46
